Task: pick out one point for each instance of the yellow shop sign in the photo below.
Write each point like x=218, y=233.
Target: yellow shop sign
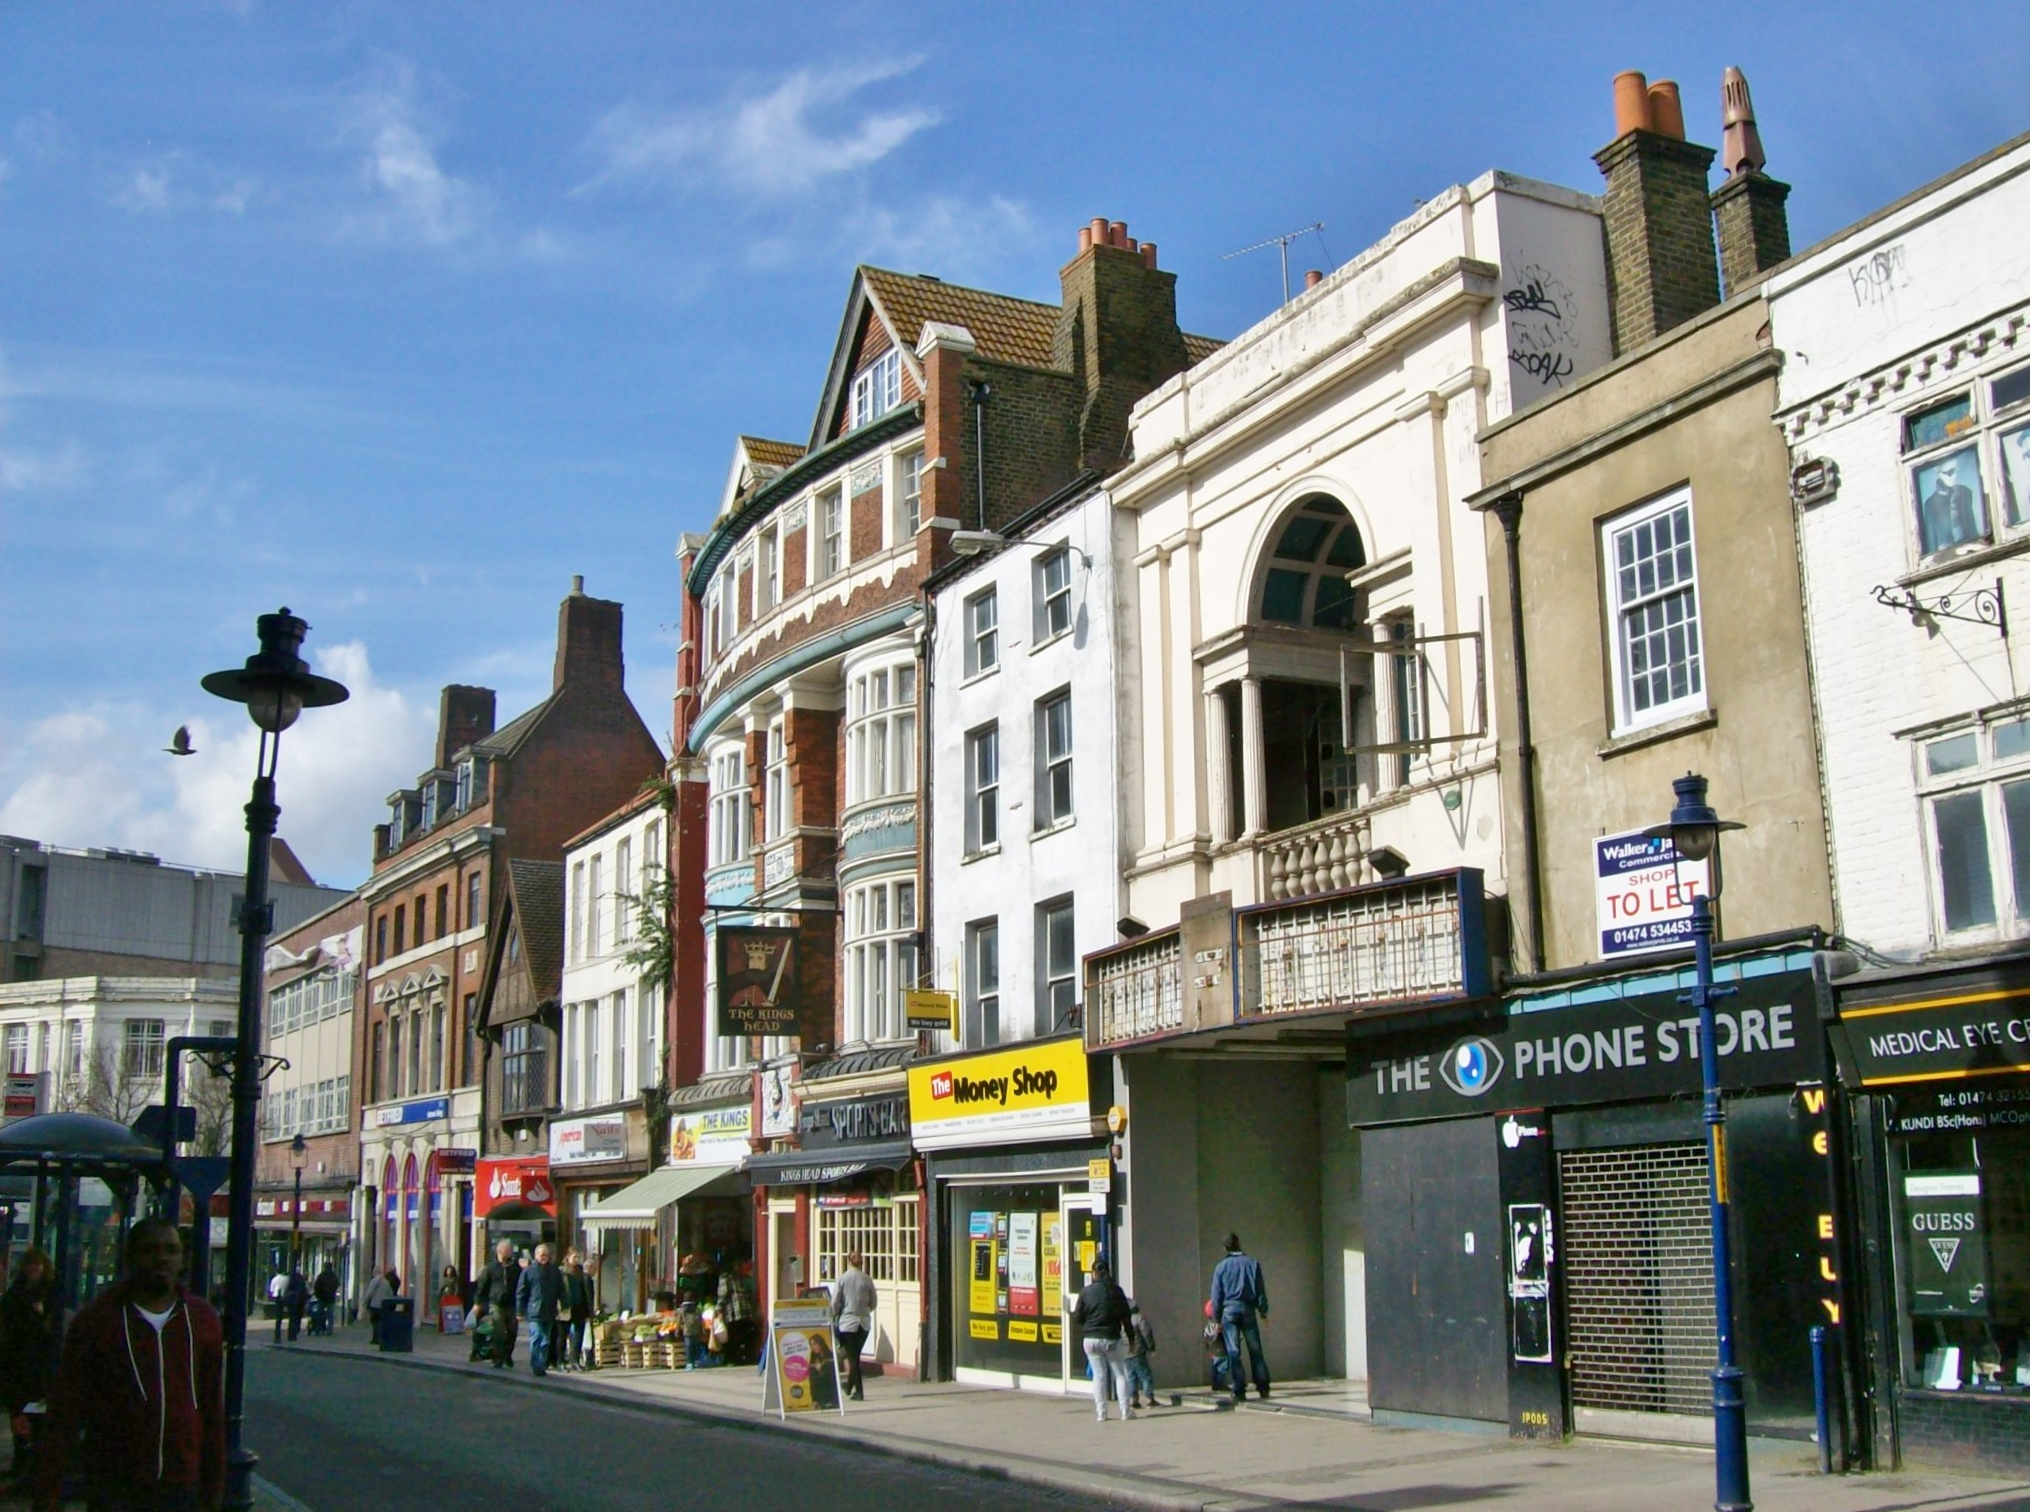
x=1034, y=1091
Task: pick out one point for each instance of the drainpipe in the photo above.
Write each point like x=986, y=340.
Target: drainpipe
x=1508, y=509
x=981, y=391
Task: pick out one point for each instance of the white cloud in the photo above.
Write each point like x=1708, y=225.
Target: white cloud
x=780, y=142
x=176, y=180
x=97, y=775
x=409, y=194
x=958, y=237
x=43, y=472
x=144, y=188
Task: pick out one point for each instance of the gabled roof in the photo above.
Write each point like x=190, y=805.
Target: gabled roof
x=1198, y=348
x=509, y=737
x=539, y=914
x=757, y=462
x=772, y=456
x=1004, y=328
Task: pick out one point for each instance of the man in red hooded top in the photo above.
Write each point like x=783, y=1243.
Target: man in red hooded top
x=142, y=1376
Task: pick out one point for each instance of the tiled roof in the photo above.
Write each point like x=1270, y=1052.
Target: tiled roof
x=859, y=1062
x=508, y=738
x=539, y=913
x=774, y=454
x=1006, y=329
x=717, y=1087
x=1198, y=348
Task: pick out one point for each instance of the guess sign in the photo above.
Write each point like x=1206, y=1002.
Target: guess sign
x=500, y=1183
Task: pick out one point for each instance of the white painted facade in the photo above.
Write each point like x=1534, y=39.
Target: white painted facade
x=103, y=1040
x=1367, y=391
x=612, y=1024
x=1037, y=859
x=1887, y=329
x=1293, y=497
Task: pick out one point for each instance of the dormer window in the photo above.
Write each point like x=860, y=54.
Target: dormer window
x=877, y=388
x=429, y=805
x=463, y=784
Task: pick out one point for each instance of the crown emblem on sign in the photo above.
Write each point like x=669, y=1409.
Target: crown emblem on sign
x=757, y=955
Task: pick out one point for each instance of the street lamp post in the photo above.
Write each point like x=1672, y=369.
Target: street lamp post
x=276, y=685
x=1694, y=832
x=298, y=1152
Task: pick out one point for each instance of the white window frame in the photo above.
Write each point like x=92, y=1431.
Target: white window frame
x=983, y=789
x=881, y=957
x=767, y=571
x=881, y=731
x=877, y=388
x=1054, y=807
x=775, y=780
x=983, y=632
x=1622, y=611
x=623, y=891
x=1055, y=979
x=649, y=1020
x=907, y=516
x=1052, y=589
x=730, y=798
x=983, y=1026
x=577, y=911
x=828, y=539
x=729, y=601
x=143, y=1045
x=1991, y=777
x=618, y=1042
x=595, y=908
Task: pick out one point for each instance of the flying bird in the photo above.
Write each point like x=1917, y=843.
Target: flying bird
x=179, y=743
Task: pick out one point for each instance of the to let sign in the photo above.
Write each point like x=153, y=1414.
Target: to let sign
x=1643, y=894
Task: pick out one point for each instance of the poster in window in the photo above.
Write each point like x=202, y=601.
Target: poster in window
x=757, y=980
x=1951, y=509
x=1945, y=1237
x=980, y=1293
x=1022, y=1289
x=2016, y=475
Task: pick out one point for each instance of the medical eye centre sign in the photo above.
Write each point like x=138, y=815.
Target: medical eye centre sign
x=1641, y=1046
x=1642, y=893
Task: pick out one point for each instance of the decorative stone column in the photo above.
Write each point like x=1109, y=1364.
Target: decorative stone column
x=1254, y=780
x=1218, y=772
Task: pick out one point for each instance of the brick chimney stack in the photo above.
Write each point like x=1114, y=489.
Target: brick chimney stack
x=1117, y=334
x=464, y=715
x=588, y=642
x=1748, y=208
x=1661, y=267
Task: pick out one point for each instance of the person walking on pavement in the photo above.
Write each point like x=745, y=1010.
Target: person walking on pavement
x=1138, y=1342
x=1240, y=1299
x=295, y=1297
x=323, y=1300
x=142, y=1377
x=494, y=1300
x=1101, y=1314
x=28, y=1335
x=537, y=1297
x=853, y=1304
x=278, y=1288
x=577, y=1311
x=377, y=1295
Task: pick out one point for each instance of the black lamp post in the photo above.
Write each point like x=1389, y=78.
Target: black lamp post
x=1694, y=833
x=276, y=685
x=298, y=1153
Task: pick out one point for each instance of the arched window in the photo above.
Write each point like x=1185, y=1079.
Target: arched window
x=1305, y=581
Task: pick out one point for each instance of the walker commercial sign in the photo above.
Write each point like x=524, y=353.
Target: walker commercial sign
x=1030, y=1092
x=1637, y=1047
x=1643, y=894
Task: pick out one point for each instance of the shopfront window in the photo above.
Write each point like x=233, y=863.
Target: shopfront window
x=1009, y=1253
x=1962, y=1223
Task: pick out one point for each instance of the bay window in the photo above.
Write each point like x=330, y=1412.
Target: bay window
x=880, y=957
x=881, y=733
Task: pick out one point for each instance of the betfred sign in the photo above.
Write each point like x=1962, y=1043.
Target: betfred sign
x=1643, y=894
x=504, y=1183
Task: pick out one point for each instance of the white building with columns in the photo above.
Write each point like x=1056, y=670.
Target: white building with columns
x=1297, y=500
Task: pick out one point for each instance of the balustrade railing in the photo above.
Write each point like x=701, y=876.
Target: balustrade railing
x=1325, y=855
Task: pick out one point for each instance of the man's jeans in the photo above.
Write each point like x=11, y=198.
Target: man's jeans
x=539, y=1345
x=1107, y=1358
x=1236, y=1327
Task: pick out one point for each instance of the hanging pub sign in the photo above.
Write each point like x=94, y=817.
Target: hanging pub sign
x=1640, y=1046
x=757, y=980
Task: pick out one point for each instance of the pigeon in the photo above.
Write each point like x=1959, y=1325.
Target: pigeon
x=179, y=743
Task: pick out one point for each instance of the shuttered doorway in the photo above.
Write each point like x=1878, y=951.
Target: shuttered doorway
x=1638, y=1261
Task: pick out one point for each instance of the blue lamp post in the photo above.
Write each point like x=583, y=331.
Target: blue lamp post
x=276, y=685
x=1694, y=833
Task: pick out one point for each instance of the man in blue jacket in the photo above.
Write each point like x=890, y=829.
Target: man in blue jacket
x=537, y=1294
x=1240, y=1299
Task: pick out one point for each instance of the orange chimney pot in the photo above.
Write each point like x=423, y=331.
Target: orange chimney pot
x=1666, y=110
x=1631, y=102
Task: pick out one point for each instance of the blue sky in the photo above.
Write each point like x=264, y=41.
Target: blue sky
x=402, y=314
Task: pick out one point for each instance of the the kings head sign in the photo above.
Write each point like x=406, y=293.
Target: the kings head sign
x=1619, y=1049
x=757, y=980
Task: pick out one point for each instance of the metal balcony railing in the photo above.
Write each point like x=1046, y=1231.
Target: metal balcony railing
x=1378, y=945
x=1138, y=991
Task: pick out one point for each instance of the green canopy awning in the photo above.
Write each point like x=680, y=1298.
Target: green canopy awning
x=637, y=1206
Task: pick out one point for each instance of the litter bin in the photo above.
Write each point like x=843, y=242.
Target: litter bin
x=398, y=1325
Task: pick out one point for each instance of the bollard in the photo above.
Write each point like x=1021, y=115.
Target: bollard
x=1819, y=1398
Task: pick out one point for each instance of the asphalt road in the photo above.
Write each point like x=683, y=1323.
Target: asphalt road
x=358, y=1435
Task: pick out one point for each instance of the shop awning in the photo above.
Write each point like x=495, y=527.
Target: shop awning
x=636, y=1206
x=822, y=1167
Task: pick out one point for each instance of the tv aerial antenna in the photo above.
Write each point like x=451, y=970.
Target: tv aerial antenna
x=1282, y=245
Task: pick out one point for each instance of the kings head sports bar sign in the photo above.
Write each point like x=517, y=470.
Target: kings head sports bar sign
x=1619, y=1049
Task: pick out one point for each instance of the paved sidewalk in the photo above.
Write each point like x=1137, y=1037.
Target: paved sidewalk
x=1209, y=1460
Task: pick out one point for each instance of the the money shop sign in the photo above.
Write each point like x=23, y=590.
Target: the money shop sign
x=1030, y=1092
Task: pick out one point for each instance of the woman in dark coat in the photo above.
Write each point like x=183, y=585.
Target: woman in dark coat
x=28, y=1340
